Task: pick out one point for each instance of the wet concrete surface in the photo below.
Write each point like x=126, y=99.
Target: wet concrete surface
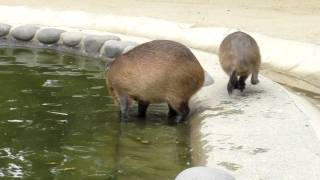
x=313, y=98
x=261, y=133
x=289, y=19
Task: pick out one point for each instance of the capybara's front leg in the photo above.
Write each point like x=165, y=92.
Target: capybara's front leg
x=182, y=110
x=142, y=108
x=233, y=83
x=242, y=83
x=254, y=78
x=172, y=112
x=124, y=108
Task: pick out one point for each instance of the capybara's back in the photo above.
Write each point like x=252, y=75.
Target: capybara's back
x=154, y=72
x=239, y=55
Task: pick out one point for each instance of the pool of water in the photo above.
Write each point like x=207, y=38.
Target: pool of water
x=57, y=121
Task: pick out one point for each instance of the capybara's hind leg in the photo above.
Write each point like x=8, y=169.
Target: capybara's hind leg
x=182, y=109
x=242, y=83
x=236, y=85
x=183, y=112
x=254, y=78
x=124, y=102
x=172, y=112
x=233, y=82
x=142, y=108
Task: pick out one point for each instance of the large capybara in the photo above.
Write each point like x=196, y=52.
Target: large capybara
x=239, y=57
x=154, y=72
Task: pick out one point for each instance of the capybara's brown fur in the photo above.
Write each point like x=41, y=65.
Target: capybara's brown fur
x=154, y=72
x=239, y=57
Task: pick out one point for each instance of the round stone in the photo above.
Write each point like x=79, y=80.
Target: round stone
x=204, y=173
x=127, y=49
x=49, y=35
x=93, y=43
x=71, y=38
x=113, y=48
x=4, y=29
x=25, y=32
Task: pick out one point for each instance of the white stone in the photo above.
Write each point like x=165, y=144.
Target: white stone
x=49, y=35
x=204, y=173
x=71, y=38
x=25, y=32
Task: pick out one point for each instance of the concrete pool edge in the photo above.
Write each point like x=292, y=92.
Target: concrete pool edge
x=204, y=101
x=294, y=62
x=97, y=45
x=254, y=135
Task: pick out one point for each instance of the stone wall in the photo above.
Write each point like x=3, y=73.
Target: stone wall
x=104, y=46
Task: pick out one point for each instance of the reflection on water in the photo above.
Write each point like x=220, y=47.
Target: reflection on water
x=58, y=122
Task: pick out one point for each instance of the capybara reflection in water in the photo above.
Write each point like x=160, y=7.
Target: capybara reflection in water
x=155, y=72
x=239, y=57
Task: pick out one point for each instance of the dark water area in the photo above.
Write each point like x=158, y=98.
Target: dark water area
x=57, y=121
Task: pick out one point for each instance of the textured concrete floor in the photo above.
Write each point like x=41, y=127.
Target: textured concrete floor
x=261, y=134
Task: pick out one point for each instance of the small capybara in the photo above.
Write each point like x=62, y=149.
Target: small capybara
x=155, y=72
x=239, y=57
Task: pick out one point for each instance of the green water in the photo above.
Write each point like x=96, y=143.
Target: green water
x=57, y=121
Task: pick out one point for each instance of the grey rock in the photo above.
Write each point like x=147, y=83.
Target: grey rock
x=71, y=38
x=208, y=79
x=49, y=35
x=25, y=32
x=4, y=29
x=113, y=48
x=93, y=43
x=127, y=49
x=204, y=173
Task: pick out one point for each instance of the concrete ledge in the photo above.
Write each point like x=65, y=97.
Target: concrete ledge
x=105, y=46
x=297, y=61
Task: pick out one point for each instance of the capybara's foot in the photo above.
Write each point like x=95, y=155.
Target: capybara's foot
x=173, y=120
x=254, y=79
x=230, y=88
x=178, y=112
x=124, y=117
x=179, y=119
x=183, y=112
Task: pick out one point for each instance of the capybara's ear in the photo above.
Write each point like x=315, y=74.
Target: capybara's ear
x=208, y=79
